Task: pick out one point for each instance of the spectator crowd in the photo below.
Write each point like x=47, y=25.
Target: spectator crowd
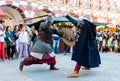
x=108, y=42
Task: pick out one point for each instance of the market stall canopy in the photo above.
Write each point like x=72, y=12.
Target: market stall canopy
x=100, y=24
x=56, y=20
x=61, y=18
x=3, y=14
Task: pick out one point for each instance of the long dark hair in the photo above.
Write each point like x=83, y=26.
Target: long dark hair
x=15, y=27
x=7, y=28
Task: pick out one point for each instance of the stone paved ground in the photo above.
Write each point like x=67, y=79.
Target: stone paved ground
x=109, y=70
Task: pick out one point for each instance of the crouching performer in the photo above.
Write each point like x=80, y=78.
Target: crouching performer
x=42, y=51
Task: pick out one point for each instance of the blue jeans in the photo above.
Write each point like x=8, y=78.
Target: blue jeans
x=56, y=46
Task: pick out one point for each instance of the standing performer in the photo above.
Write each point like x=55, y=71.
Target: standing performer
x=85, y=51
x=42, y=51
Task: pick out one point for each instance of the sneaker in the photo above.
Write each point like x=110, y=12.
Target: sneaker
x=73, y=74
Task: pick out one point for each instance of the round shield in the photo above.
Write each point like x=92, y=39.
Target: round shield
x=69, y=40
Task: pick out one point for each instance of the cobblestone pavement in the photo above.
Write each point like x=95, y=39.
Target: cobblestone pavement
x=108, y=70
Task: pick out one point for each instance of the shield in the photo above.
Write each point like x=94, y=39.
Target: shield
x=69, y=39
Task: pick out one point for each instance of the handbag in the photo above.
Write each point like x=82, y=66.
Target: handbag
x=12, y=44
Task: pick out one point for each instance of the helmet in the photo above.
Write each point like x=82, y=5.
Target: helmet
x=44, y=26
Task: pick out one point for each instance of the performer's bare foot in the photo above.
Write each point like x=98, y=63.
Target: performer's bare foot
x=86, y=68
x=74, y=74
x=21, y=66
x=52, y=67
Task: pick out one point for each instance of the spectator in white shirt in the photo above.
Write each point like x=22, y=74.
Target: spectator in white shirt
x=23, y=39
x=2, y=35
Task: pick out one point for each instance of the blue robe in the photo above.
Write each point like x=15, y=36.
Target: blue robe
x=85, y=51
